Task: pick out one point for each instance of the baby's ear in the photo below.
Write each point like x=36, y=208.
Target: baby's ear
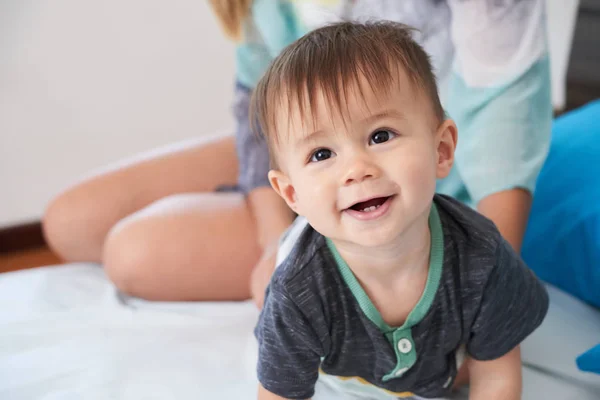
x=283, y=186
x=446, y=139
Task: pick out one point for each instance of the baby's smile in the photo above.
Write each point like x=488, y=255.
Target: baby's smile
x=370, y=209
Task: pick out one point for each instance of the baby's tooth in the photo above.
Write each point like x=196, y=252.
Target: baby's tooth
x=369, y=209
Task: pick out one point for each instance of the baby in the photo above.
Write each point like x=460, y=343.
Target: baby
x=391, y=288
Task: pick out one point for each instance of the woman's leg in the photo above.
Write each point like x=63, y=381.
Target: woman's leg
x=185, y=247
x=77, y=222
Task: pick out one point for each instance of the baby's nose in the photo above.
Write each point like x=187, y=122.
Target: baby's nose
x=360, y=170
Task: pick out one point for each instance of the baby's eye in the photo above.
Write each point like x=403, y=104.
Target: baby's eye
x=321, y=155
x=381, y=136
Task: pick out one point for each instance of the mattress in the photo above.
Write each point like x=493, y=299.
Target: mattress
x=67, y=333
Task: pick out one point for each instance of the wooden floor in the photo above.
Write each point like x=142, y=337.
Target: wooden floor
x=27, y=259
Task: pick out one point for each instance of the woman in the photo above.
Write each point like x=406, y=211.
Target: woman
x=183, y=237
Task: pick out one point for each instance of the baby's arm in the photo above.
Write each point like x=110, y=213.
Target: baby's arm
x=289, y=347
x=496, y=379
x=264, y=394
x=512, y=305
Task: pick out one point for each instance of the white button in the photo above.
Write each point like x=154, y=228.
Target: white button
x=405, y=346
x=400, y=371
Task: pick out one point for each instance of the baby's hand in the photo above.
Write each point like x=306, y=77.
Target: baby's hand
x=498, y=379
x=261, y=275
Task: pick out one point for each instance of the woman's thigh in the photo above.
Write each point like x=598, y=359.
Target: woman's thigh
x=185, y=247
x=77, y=221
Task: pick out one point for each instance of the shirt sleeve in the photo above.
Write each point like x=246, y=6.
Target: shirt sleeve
x=514, y=303
x=289, y=349
x=251, y=147
x=499, y=94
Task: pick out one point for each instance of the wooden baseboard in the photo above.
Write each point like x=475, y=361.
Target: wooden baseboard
x=21, y=237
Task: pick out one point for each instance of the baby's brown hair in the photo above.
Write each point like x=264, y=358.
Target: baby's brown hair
x=334, y=58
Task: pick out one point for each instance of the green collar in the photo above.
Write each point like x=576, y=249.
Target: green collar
x=433, y=279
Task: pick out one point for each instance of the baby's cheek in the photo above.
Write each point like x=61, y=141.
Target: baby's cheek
x=313, y=186
x=308, y=194
x=317, y=197
x=420, y=173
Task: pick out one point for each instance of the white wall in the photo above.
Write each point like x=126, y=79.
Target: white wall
x=84, y=83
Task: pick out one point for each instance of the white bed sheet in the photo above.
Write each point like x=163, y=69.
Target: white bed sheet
x=66, y=333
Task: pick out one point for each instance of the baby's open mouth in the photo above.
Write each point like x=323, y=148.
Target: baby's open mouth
x=370, y=205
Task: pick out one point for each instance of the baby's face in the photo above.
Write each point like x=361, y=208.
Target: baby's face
x=367, y=177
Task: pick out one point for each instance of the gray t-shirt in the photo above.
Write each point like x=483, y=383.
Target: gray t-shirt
x=479, y=294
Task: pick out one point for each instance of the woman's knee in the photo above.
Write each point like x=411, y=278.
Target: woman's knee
x=169, y=250
x=128, y=257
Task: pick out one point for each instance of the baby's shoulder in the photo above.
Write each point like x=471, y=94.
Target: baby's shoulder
x=307, y=266
x=473, y=247
x=466, y=230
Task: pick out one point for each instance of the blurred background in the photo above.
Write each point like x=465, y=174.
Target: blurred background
x=86, y=83
x=583, y=61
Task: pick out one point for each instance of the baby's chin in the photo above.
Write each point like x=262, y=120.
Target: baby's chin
x=369, y=239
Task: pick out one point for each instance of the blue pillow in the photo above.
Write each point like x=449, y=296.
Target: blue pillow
x=590, y=360
x=562, y=242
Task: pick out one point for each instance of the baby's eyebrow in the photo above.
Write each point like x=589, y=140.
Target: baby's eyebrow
x=311, y=137
x=320, y=133
x=390, y=113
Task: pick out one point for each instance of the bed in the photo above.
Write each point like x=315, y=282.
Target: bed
x=67, y=333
